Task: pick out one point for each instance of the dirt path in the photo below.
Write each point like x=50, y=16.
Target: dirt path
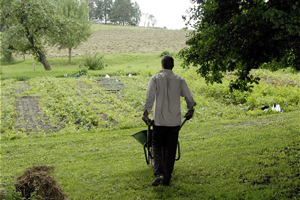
x=111, y=84
x=30, y=117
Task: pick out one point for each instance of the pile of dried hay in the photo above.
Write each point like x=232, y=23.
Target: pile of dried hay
x=37, y=182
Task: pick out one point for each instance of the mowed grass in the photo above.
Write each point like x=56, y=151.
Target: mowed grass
x=119, y=64
x=248, y=158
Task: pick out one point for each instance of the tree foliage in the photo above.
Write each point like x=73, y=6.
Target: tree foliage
x=137, y=13
x=151, y=20
x=73, y=26
x=27, y=26
x=121, y=12
x=100, y=9
x=240, y=35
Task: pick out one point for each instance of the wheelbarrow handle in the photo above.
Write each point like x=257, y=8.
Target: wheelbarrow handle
x=149, y=135
x=147, y=153
x=183, y=123
x=178, y=151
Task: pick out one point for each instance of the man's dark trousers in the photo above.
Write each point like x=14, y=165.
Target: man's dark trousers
x=164, y=144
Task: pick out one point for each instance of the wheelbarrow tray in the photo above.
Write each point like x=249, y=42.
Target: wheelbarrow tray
x=141, y=136
x=146, y=140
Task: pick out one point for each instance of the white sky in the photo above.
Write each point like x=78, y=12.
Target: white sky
x=168, y=13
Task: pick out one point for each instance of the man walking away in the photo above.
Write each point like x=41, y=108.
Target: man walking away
x=165, y=89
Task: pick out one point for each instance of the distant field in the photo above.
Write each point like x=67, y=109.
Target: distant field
x=118, y=41
x=109, y=39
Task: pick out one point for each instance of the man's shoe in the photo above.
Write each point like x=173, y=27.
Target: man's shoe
x=157, y=180
x=165, y=182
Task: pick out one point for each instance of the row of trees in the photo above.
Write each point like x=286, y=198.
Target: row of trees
x=27, y=26
x=241, y=35
x=122, y=12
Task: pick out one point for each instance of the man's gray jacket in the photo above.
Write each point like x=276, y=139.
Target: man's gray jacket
x=165, y=89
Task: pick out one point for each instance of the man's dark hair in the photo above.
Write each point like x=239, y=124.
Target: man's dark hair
x=167, y=62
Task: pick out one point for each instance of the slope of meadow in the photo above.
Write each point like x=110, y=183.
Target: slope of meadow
x=231, y=149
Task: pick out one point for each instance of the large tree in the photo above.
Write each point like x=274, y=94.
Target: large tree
x=106, y=9
x=151, y=20
x=26, y=26
x=100, y=9
x=122, y=12
x=137, y=14
x=73, y=27
x=240, y=35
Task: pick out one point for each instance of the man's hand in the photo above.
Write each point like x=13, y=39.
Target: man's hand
x=189, y=114
x=146, y=118
x=147, y=121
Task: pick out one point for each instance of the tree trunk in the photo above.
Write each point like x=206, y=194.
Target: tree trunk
x=43, y=60
x=70, y=54
x=9, y=60
x=41, y=54
x=297, y=58
x=10, y=48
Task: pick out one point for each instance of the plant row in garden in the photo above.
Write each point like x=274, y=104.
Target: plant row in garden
x=84, y=103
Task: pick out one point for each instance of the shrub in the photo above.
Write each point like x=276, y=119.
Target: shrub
x=94, y=61
x=164, y=53
x=83, y=70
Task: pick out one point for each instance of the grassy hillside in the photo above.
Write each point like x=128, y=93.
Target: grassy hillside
x=231, y=149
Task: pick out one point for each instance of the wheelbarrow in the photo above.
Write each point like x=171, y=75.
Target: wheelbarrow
x=144, y=137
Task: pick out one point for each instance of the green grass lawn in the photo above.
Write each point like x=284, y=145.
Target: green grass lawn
x=119, y=64
x=247, y=158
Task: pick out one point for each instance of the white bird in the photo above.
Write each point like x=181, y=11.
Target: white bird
x=276, y=107
x=107, y=76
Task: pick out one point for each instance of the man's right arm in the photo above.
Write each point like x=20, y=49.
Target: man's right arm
x=150, y=97
x=186, y=93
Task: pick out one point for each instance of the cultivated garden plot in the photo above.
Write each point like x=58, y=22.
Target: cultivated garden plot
x=50, y=104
